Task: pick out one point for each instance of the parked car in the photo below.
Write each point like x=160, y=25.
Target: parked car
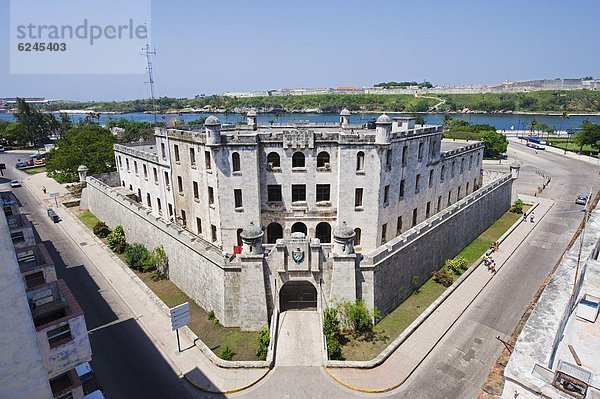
x=29, y=162
x=19, y=164
x=89, y=382
x=15, y=183
x=39, y=162
x=2, y=149
x=581, y=199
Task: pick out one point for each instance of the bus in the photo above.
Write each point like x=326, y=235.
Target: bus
x=536, y=143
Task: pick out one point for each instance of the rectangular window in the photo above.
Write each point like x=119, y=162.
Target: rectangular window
x=167, y=183
x=323, y=192
x=417, y=183
x=196, y=192
x=414, y=218
x=148, y=200
x=127, y=164
x=298, y=192
x=237, y=196
x=170, y=211
x=183, y=218
x=420, y=155
x=467, y=189
x=34, y=279
x=399, y=226
x=192, y=156
x=402, y=182
x=452, y=170
x=449, y=197
x=384, y=233
x=158, y=206
x=211, y=196
x=462, y=166
x=59, y=335
x=145, y=171
x=213, y=232
x=386, y=194
x=358, y=197
x=388, y=159
x=470, y=162
x=428, y=210
x=475, y=184
x=155, y=173
x=207, y=162
x=443, y=173
x=274, y=193
x=176, y=149
x=120, y=162
x=431, y=178
x=163, y=151
x=458, y=195
x=180, y=184
x=439, y=204
x=404, y=155
x=135, y=169
x=198, y=226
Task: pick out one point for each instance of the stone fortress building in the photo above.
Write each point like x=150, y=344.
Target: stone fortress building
x=290, y=216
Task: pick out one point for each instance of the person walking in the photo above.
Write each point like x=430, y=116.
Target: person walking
x=531, y=217
x=524, y=216
x=44, y=189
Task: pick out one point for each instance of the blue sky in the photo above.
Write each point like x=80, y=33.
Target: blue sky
x=211, y=47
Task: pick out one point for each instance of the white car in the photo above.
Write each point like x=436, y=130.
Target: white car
x=15, y=183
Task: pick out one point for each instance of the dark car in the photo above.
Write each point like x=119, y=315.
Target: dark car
x=581, y=199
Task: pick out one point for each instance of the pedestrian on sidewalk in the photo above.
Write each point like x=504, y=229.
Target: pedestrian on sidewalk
x=493, y=268
x=531, y=217
x=44, y=189
x=524, y=216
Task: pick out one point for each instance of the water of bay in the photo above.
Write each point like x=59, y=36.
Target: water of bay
x=500, y=121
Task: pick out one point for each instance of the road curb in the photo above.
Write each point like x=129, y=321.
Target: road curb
x=229, y=391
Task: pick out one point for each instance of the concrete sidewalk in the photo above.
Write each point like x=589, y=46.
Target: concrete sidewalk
x=191, y=363
x=560, y=151
x=409, y=355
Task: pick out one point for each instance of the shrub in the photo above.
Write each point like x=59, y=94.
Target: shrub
x=212, y=317
x=457, y=265
x=357, y=316
x=116, y=240
x=137, y=256
x=161, y=262
x=443, y=277
x=517, y=207
x=334, y=349
x=331, y=330
x=226, y=353
x=414, y=282
x=262, y=343
x=101, y=230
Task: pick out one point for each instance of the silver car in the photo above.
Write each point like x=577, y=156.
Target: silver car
x=581, y=199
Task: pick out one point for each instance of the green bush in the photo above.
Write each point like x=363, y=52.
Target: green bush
x=443, y=277
x=357, y=316
x=137, y=257
x=101, y=230
x=331, y=330
x=334, y=349
x=212, y=317
x=226, y=353
x=517, y=207
x=457, y=265
x=262, y=343
x=116, y=240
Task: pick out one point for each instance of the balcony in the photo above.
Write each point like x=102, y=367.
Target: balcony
x=21, y=231
x=36, y=265
x=60, y=326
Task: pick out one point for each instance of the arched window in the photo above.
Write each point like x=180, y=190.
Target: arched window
x=273, y=160
x=360, y=161
x=239, y=237
x=322, y=159
x=274, y=232
x=299, y=227
x=298, y=160
x=323, y=232
x=235, y=162
x=357, y=233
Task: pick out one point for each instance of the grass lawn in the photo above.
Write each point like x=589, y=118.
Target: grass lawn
x=367, y=347
x=215, y=336
x=34, y=171
x=570, y=145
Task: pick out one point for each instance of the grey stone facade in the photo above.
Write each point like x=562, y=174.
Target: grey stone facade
x=396, y=231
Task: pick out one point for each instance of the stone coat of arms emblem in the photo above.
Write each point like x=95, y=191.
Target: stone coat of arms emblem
x=298, y=255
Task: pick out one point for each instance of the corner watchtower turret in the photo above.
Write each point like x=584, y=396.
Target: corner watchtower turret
x=212, y=125
x=383, y=129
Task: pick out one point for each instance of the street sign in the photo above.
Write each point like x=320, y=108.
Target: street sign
x=54, y=195
x=180, y=315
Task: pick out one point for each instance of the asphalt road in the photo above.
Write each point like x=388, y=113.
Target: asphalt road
x=127, y=363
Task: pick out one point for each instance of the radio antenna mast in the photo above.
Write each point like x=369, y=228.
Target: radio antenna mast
x=148, y=53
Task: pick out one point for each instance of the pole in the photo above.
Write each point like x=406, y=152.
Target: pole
x=178, y=342
x=56, y=201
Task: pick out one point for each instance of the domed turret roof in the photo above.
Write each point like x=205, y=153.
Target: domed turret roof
x=251, y=113
x=345, y=112
x=212, y=121
x=343, y=231
x=384, y=119
x=251, y=231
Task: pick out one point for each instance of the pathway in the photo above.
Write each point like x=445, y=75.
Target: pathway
x=299, y=342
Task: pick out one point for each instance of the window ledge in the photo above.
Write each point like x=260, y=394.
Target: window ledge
x=193, y=166
x=323, y=203
x=360, y=172
x=299, y=204
x=299, y=169
x=237, y=173
x=275, y=203
x=197, y=200
x=323, y=169
x=156, y=183
x=274, y=169
x=359, y=208
x=212, y=206
x=209, y=171
x=239, y=209
x=178, y=162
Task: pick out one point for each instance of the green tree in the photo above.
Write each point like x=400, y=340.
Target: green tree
x=15, y=133
x=86, y=144
x=495, y=143
x=588, y=135
x=38, y=125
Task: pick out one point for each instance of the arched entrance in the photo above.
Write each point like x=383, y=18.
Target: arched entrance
x=298, y=295
x=299, y=227
x=323, y=232
x=274, y=232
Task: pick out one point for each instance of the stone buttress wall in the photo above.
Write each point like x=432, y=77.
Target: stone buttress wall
x=195, y=266
x=423, y=249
